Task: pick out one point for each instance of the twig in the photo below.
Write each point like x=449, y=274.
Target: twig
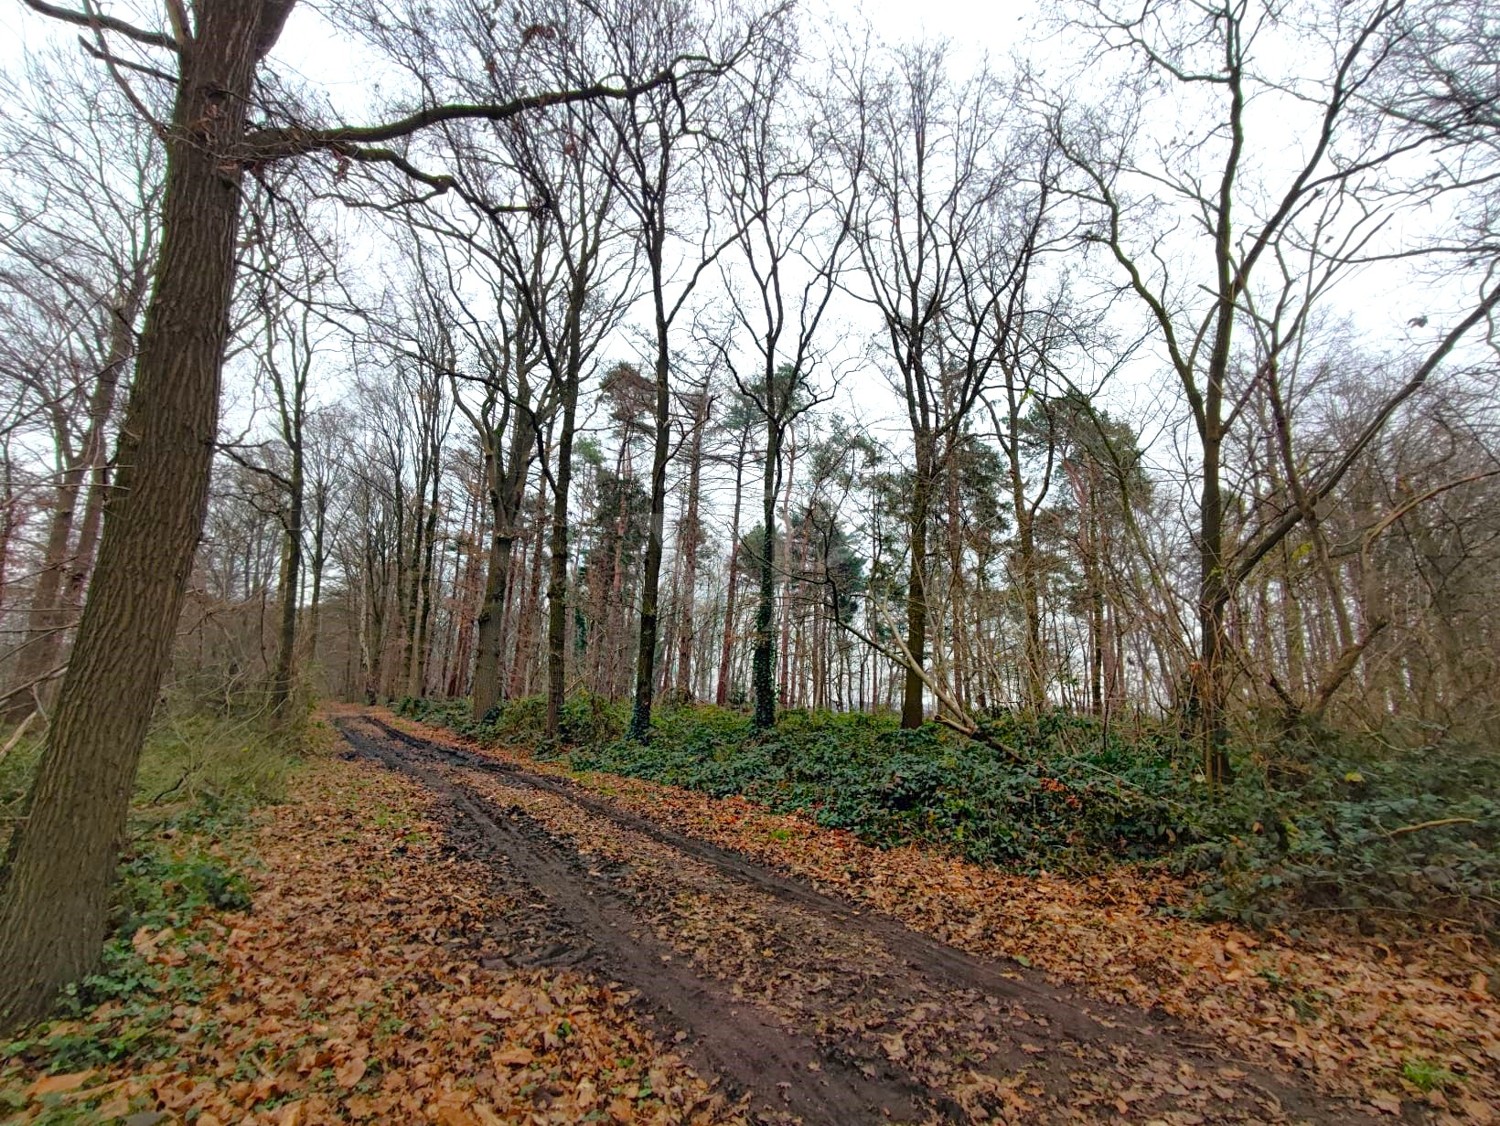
x=1441, y=821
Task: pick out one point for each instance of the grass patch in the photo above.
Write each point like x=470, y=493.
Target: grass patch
x=1427, y=1076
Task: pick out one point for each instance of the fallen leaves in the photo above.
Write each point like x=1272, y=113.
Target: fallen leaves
x=354, y=991
x=57, y=1084
x=1350, y=1013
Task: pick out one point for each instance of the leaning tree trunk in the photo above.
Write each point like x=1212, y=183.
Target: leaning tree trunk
x=55, y=898
x=48, y=616
x=62, y=579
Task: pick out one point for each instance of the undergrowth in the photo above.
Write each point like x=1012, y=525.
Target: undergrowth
x=1314, y=823
x=185, y=861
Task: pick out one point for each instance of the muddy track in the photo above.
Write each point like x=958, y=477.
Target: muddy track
x=918, y=950
x=857, y=1018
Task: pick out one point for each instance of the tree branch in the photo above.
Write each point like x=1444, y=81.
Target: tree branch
x=101, y=22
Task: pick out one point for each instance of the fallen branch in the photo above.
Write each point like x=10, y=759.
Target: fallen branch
x=15, y=736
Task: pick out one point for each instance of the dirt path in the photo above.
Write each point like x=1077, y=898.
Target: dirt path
x=809, y=1007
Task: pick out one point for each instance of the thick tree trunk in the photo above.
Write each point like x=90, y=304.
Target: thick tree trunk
x=55, y=897
x=506, y=486
x=490, y=630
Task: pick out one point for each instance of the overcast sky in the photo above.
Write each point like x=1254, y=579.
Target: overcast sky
x=1378, y=302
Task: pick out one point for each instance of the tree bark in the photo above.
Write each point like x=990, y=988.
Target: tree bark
x=721, y=693
x=913, y=711
x=688, y=536
x=645, y=662
x=291, y=582
x=55, y=896
x=557, y=579
x=506, y=488
x=763, y=659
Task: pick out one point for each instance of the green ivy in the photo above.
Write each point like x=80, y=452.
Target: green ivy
x=1314, y=822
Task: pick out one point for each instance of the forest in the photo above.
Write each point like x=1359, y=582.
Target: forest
x=1006, y=498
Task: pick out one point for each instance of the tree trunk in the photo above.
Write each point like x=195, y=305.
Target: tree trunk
x=491, y=617
x=60, y=586
x=506, y=487
x=55, y=898
x=784, y=679
x=721, y=692
x=423, y=608
x=557, y=579
x=291, y=581
x=913, y=711
x=1210, y=680
x=46, y=618
x=645, y=661
x=764, y=658
x=523, y=663
x=687, y=543
x=319, y=558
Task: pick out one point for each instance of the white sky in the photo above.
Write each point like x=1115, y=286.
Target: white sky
x=1379, y=302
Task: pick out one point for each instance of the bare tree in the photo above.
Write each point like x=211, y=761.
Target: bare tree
x=945, y=252
x=78, y=208
x=53, y=903
x=793, y=228
x=663, y=146
x=1260, y=247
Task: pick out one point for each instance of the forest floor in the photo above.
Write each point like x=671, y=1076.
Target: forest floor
x=448, y=933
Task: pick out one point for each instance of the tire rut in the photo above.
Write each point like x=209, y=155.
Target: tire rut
x=1085, y=1038
x=725, y=1035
